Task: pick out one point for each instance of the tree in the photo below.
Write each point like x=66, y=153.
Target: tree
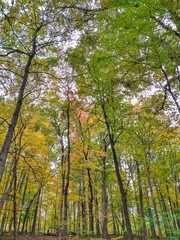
x=78, y=156
x=31, y=32
x=27, y=40
x=105, y=91
x=153, y=134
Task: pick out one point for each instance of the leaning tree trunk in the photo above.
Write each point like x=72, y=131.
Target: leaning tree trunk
x=119, y=177
x=8, y=188
x=35, y=213
x=28, y=208
x=14, y=120
x=3, y=220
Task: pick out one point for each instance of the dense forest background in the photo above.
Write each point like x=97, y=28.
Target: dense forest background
x=89, y=118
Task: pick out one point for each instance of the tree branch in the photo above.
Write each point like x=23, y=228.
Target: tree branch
x=13, y=51
x=166, y=27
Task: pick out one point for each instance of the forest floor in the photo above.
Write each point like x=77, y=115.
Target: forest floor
x=29, y=238
x=51, y=238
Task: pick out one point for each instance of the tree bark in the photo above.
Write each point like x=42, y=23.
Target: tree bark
x=3, y=223
x=35, y=213
x=14, y=195
x=78, y=226
x=90, y=185
x=8, y=188
x=165, y=215
x=84, y=212
x=23, y=200
x=151, y=217
x=27, y=210
x=66, y=189
x=144, y=230
x=113, y=217
x=148, y=155
x=104, y=197
x=175, y=223
x=8, y=139
x=91, y=216
x=63, y=179
x=97, y=215
x=119, y=178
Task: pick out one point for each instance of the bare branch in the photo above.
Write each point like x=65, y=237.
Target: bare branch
x=13, y=51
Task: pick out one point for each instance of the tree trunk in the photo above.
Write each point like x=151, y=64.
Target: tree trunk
x=74, y=217
x=14, y=195
x=97, y=215
x=66, y=189
x=90, y=186
x=14, y=120
x=91, y=216
x=175, y=223
x=22, y=202
x=79, y=211
x=84, y=213
x=133, y=179
x=152, y=194
x=63, y=182
x=40, y=214
x=151, y=218
x=119, y=178
x=165, y=215
x=35, y=213
x=27, y=211
x=16, y=158
x=143, y=230
x=104, y=197
x=113, y=217
x=3, y=223
x=8, y=187
x=10, y=225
